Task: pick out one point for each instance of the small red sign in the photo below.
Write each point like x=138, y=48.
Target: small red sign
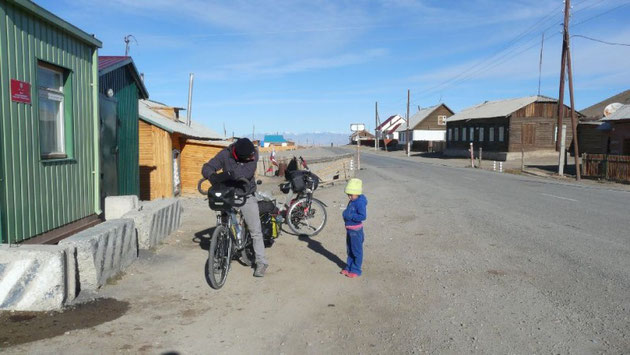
x=20, y=91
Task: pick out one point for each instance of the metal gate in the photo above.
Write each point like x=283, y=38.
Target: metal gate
x=109, y=147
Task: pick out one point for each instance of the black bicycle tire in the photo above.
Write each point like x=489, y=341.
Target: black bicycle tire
x=214, y=283
x=201, y=191
x=294, y=229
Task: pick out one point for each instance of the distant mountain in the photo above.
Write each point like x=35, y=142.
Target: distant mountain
x=314, y=138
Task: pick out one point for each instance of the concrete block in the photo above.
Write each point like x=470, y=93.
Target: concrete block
x=37, y=277
x=103, y=251
x=156, y=220
x=117, y=206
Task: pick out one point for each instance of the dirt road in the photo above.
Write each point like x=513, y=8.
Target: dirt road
x=457, y=261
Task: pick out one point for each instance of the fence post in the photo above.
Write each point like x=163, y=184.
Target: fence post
x=480, y=156
x=472, y=155
x=606, y=166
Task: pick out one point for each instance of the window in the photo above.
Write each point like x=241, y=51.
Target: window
x=463, y=134
x=442, y=120
x=472, y=134
x=501, y=133
x=450, y=134
x=481, y=129
x=54, y=112
x=491, y=134
x=456, y=134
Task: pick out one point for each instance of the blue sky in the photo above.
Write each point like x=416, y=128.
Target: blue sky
x=310, y=65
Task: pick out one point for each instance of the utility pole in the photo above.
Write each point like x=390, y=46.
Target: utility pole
x=253, y=133
x=542, y=46
x=407, y=132
x=576, y=150
x=560, y=136
x=376, y=125
x=128, y=39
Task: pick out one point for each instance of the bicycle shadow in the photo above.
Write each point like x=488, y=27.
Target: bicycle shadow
x=203, y=238
x=319, y=248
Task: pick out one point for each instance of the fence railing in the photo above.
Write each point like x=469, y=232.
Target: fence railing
x=329, y=169
x=605, y=166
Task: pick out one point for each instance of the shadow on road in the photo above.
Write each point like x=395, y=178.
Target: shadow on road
x=203, y=238
x=317, y=247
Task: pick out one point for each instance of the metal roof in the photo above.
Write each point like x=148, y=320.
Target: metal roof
x=597, y=110
x=494, y=109
x=196, y=130
x=622, y=113
x=107, y=64
x=57, y=21
x=390, y=121
x=274, y=139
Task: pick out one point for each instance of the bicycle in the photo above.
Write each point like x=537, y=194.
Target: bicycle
x=230, y=235
x=304, y=214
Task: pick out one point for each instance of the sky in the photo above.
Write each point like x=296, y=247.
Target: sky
x=318, y=66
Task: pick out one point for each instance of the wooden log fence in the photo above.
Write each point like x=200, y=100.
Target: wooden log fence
x=605, y=166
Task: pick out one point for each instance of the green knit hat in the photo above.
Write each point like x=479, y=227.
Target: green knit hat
x=354, y=187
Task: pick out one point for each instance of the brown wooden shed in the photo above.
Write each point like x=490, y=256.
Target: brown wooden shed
x=502, y=128
x=172, y=152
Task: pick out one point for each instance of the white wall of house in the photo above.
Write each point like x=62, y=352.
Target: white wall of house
x=426, y=135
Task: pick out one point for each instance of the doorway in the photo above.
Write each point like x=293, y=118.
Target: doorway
x=109, y=147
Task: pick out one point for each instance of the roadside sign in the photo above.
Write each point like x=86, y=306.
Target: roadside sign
x=355, y=127
x=20, y=91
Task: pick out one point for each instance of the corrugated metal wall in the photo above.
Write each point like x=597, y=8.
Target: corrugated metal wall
x=126, y=92
x=38, y=196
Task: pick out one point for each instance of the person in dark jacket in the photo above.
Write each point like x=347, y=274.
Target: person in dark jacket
x=239, y=161
x=353, y=217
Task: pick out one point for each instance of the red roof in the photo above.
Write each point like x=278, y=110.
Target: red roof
x=108, y=61
x=386, y=122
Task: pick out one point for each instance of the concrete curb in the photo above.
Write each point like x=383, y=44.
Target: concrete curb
x=103, y=251
x=37, y=277
x=156, y=220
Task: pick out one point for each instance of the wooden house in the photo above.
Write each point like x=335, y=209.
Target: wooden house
x=619, y=131
x=427, y=129
x=172, y=152
x=503, y=128
x=120, y=88
x=49, y=152
x=593, y=131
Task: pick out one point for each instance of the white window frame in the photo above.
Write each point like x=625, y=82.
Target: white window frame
x=456, y=134
x=491, y=134
x=481, y=134
x=450, y=134
x=55, y=94
x=463, y=134
x=501, y=133
x=441, y=120
x=471, y=133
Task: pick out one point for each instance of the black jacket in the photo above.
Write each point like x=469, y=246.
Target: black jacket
x=225, y=161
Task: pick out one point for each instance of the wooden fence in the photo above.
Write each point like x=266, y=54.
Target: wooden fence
x=329, y=169
x=609, y=167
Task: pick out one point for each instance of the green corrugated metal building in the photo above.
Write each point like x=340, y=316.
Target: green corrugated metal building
x=49, y=156
x=121, y=83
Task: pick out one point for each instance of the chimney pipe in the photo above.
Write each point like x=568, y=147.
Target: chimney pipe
x=190, y=90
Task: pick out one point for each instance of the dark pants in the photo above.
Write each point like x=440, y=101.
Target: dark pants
x=354, y=242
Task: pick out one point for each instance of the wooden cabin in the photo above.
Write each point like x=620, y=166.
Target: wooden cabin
x=502, y=128
x=427, y=129
x=594, y=131
x=619, y=131
x=172, y=152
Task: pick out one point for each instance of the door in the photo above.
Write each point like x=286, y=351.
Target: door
x=529, y=134
x=109, y=147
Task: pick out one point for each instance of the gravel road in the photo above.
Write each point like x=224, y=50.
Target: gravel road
x=457, y=261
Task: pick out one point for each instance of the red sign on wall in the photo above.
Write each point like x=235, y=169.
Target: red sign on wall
x=20, y=91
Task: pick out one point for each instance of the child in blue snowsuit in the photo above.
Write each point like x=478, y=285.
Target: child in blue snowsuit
x=353, y=216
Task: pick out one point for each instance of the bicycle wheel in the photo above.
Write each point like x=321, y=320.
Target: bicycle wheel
x=219, y=257
x=306, y=218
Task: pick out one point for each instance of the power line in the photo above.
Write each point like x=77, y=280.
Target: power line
x=601, y=14
x=601, y=41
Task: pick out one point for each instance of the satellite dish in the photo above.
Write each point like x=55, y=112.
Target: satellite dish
x=610, y=109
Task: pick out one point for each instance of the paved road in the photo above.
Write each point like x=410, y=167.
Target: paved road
x=456, y=261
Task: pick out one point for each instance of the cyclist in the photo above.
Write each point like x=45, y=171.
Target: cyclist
x=238, y=161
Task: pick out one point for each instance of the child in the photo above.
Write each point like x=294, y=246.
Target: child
x=353, y=216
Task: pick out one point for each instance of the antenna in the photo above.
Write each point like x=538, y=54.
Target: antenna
x=128, y=39
x=542, y=46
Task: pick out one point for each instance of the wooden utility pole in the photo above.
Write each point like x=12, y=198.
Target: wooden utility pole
x=407, y=132
x=565, y=42
x=576, y=150
x=376, y=125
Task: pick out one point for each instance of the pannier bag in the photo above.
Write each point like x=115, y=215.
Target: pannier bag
x=301, y=179
x=220, y=197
